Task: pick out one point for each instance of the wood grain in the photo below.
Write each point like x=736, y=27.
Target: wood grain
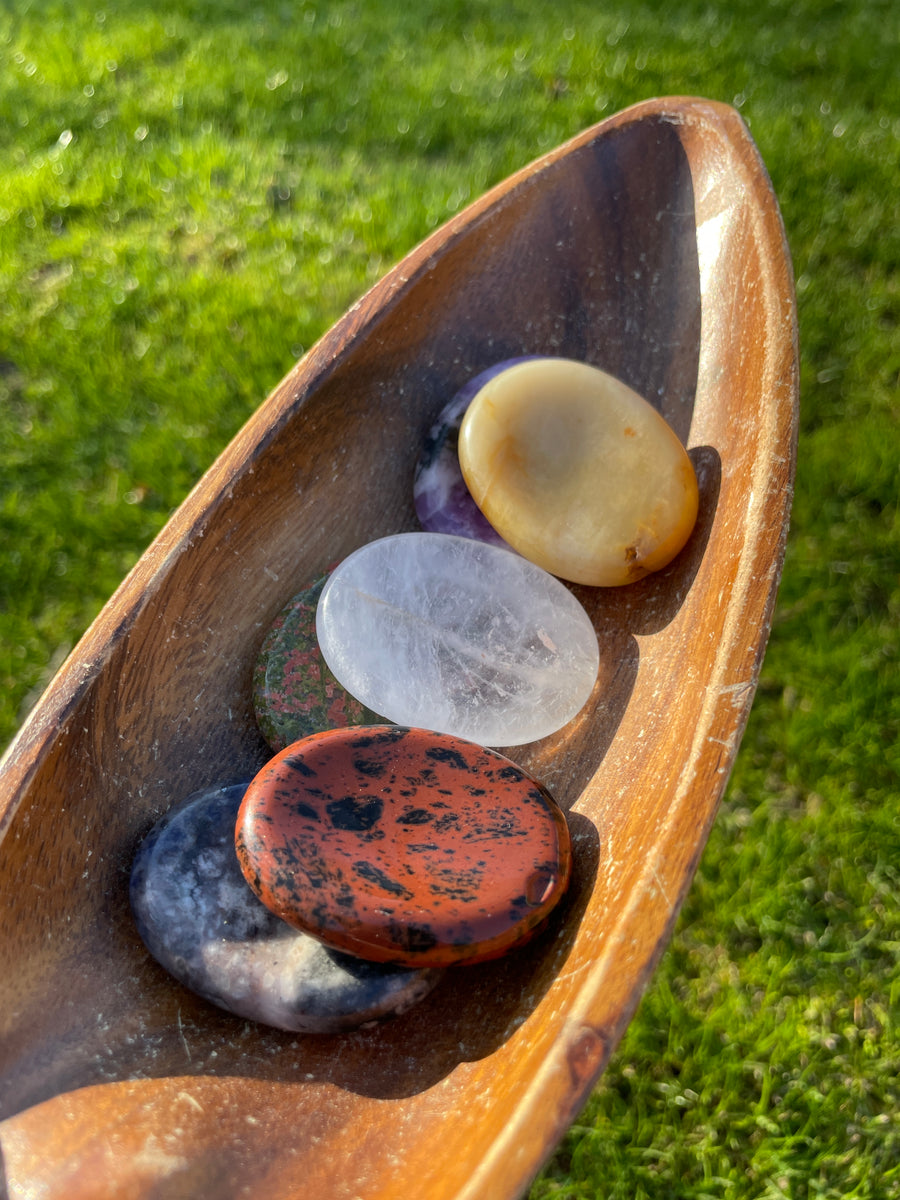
x=650, y=246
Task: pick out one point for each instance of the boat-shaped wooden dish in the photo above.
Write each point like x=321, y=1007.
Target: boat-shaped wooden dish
x=651, y=246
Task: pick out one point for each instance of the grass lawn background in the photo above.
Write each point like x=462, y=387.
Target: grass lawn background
x=191, y=194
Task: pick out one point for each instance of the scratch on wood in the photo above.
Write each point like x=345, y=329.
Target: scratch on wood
x=191, y=1100
x=660, y=885
x=737, y=691
x=187, y=1048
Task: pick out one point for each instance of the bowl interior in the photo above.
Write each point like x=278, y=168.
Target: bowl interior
x=625, y=250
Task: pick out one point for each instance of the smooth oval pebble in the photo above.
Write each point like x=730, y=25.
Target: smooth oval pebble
x=578, y=472
x=404, y=846
x=200, y=920
x=294, y=693
x=458, y=636
x=442, y=501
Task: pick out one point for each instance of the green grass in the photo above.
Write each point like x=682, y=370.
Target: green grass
x=191, y=193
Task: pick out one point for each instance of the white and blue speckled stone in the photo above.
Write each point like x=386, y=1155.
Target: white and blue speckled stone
x=200, y=920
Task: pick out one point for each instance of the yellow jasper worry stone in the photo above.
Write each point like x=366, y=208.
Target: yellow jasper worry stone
x=578, y=472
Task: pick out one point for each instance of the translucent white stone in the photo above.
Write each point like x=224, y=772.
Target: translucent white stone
x=457, y=636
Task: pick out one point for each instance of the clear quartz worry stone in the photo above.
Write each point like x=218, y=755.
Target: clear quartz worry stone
x=458, y=636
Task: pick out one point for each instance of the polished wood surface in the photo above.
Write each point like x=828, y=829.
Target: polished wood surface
x=650, y=246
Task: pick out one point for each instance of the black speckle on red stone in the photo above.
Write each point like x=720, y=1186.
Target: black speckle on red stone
x=367, y=766
x=449, y=757
x=416, y=816
x=337, y=848
x=356, y=814
x=300, y=766
x=416, y=940
x=302, y=809
x=365, y=870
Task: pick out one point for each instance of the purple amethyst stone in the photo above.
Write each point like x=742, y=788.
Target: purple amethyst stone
x=442, y=500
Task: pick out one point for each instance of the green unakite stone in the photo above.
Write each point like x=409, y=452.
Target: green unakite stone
x=294, y=692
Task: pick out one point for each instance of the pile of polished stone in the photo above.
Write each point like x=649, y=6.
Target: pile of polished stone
x=385, y=841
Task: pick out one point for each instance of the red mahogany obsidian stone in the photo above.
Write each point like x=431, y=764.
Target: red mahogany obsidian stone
x=403, y=846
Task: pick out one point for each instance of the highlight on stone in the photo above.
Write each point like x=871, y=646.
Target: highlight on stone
x=404, y=846
x=459, y=636
x=578, y=472
x=200, y=920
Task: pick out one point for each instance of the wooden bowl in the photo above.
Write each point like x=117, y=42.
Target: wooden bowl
x=651, y=245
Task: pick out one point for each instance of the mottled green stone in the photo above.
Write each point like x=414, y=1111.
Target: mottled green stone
x=294, y=692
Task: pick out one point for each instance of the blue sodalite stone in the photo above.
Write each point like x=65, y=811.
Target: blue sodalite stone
x=200, y=920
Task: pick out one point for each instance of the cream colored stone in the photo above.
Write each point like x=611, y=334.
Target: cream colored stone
x=578, y=472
